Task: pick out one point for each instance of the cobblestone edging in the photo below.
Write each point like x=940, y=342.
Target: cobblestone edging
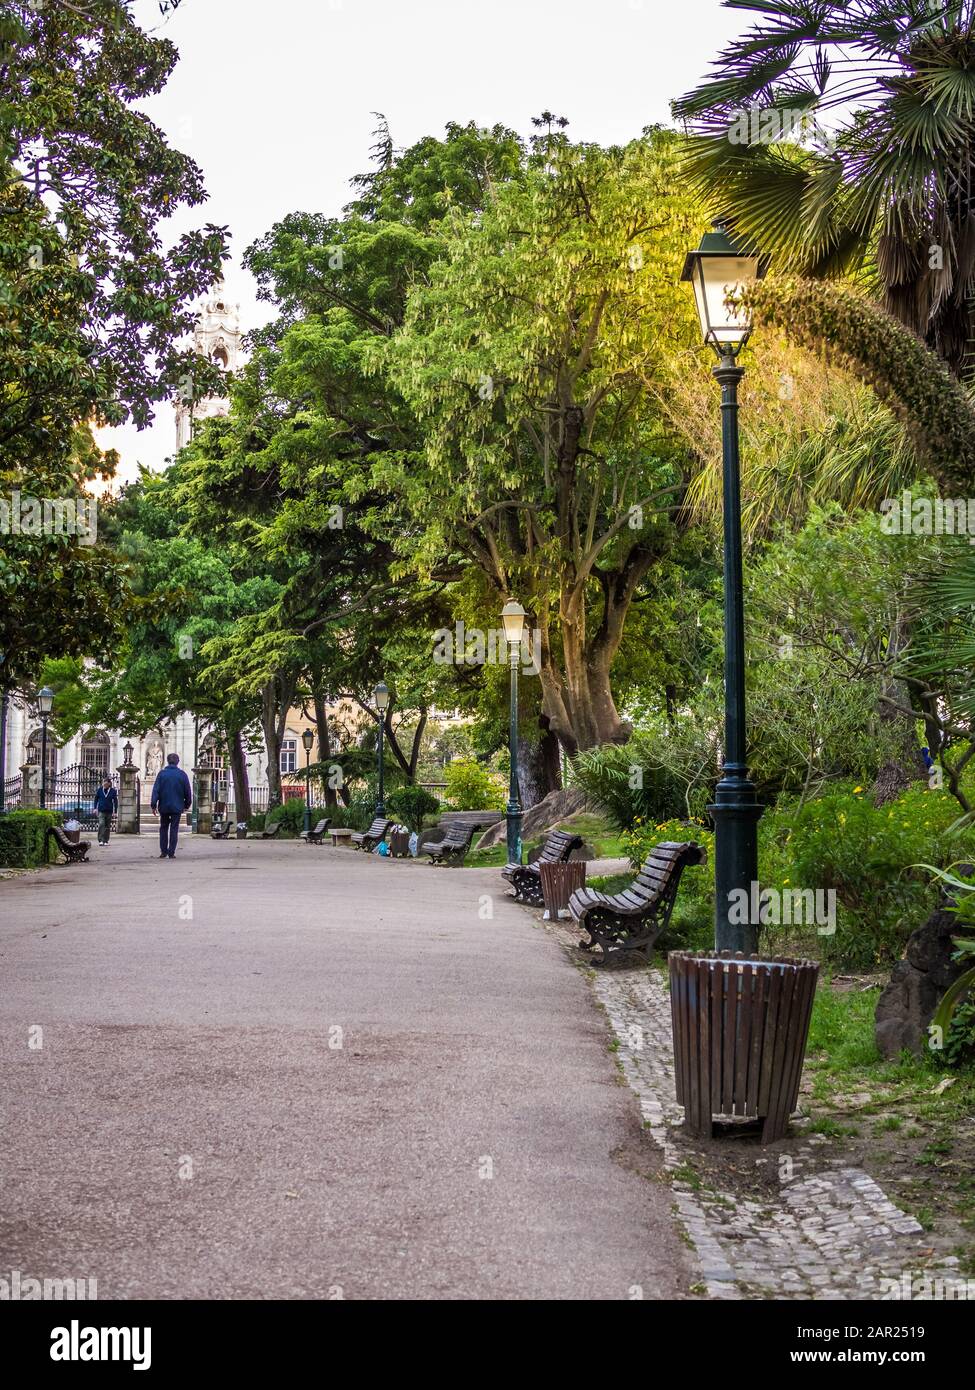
x=831, y=1233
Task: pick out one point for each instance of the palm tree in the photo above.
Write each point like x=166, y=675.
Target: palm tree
x=889, y=193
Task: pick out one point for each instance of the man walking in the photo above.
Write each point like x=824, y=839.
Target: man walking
x=172, y=797
x=106, y=805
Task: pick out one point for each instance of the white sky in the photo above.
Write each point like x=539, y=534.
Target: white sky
x=274, y=98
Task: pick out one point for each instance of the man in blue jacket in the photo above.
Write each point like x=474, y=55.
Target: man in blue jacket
x=106, y=804
x=172, y=797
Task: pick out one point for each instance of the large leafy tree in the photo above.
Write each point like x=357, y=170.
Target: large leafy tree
x=886, y=182
x=92, y=307
x=527, y=357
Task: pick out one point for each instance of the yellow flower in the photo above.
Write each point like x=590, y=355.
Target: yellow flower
x=857, y=789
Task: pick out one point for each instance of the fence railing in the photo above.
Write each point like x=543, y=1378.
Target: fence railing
x=72, y=792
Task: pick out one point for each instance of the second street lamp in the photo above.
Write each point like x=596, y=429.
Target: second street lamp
x=513, y=618
x=45, y=703
x=719, y=270
x=381, y=694
x=307, y=738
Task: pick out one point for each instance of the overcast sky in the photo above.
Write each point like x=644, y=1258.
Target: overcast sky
x=274, y=98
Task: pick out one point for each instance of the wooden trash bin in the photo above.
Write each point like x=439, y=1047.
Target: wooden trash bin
x=740, y=1028
x=559, y=882
x=399, y=844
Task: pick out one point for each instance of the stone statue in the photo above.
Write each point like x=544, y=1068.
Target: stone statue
x=154, y=761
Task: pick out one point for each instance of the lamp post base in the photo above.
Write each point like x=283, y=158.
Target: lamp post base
x=736, y=812
x=513, y=814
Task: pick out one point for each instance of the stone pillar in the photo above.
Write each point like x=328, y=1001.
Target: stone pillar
x=128, y=800
x=30, y=786
x=204, y=801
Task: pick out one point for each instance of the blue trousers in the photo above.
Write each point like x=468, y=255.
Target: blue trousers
x=169, y=831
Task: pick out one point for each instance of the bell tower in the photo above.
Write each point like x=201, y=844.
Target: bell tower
x=217, y=337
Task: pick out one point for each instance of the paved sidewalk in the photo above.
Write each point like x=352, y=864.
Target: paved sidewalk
x=276, y=1070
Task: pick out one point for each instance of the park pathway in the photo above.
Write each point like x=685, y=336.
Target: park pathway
x=273, y=1070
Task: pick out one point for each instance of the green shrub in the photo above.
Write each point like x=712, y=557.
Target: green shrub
x=291, y=815
x=23, y=838
x=872, y=857
x=410, y=804
x=626, y=782
x=470, y=787
x=692, y=922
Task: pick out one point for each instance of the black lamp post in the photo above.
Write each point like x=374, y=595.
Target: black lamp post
x=45, y=703
x=307, y=738
x=719, y=270
x=127, y=751
x=513, y=620
x=381, y=694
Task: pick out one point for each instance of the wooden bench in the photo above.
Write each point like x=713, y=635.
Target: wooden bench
x=269, y=832
x=222, y=830
x=632, y=920
x=368, y=839
x=73, y=853
x=453, y=844
x=526, y=879
x=314, y=837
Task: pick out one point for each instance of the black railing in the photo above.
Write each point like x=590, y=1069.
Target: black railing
x=72, y=792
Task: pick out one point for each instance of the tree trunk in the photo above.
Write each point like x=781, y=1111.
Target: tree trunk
x=539, y=768
x=324, y=743
x=238, y=768
x=276, y=697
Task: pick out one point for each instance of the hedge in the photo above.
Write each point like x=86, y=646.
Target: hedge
x=23, y=838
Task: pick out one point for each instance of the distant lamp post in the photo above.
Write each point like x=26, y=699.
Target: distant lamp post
x=719, y=270
x=308, y=738
x=381, y=696
x=127, y=751
x=513, y=619
x=45, y=703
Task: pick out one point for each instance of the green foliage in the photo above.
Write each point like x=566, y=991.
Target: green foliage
x=410, y=804
x=470, y=787
x=885, y=186
x=872, y=856
x=290, y=814
x=692, y=922
x=627, y=783
x=855, y=333
x=23, y=838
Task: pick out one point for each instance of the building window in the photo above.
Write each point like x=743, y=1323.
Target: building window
x=289, y=754
x=95, y=750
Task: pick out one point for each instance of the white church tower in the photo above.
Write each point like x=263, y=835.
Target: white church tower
x=217, y=337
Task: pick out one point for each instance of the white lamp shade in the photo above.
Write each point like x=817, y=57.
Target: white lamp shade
x=719, y=270
x=381, y=693
x=308, y=738
x=45, y=700
x=513, y=618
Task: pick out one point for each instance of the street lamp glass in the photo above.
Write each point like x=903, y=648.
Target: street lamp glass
x=127, y=751
x=45, y=700
x=381, y=693
x=308, y=738
x=719, y=270
x=513, y=617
